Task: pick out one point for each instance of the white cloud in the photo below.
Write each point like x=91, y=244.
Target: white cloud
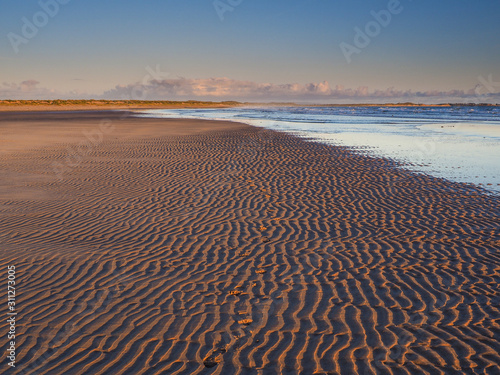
x=24, y=90
x=30, y=90
x=229, y=89
x=219, y=89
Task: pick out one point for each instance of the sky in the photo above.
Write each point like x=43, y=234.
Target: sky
x=322, y=51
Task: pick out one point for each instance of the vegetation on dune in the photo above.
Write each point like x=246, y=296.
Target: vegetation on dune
x=196, y=103
x=107, y=103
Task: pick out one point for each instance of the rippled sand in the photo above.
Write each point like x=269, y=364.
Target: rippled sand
x=186, y=247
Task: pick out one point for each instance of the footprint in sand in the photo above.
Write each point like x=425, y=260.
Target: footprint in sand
x=215, y=358
x=245, y=322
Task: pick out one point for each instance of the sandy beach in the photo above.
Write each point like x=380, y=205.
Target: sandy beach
x=159, y=246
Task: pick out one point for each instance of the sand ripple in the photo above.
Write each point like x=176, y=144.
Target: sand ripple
x=249, y=252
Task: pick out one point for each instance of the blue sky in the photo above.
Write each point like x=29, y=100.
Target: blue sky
x=262, y=50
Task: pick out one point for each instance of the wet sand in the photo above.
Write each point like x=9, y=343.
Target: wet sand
x=153, y=246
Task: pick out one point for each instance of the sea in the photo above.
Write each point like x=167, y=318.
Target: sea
x=458, y=143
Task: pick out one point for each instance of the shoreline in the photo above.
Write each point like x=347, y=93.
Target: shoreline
x=106, y=105
x=200, y=245
x=423, y=143
x=131, y=113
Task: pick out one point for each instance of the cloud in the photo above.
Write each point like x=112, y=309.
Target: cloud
x=30, y=90
x=25, y=90
x=219, y=89
x=229, y=89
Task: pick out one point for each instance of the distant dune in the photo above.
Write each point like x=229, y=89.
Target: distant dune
x=70, y=105
x=57, y=105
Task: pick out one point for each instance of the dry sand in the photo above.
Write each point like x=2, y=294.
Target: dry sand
x=197, y=247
